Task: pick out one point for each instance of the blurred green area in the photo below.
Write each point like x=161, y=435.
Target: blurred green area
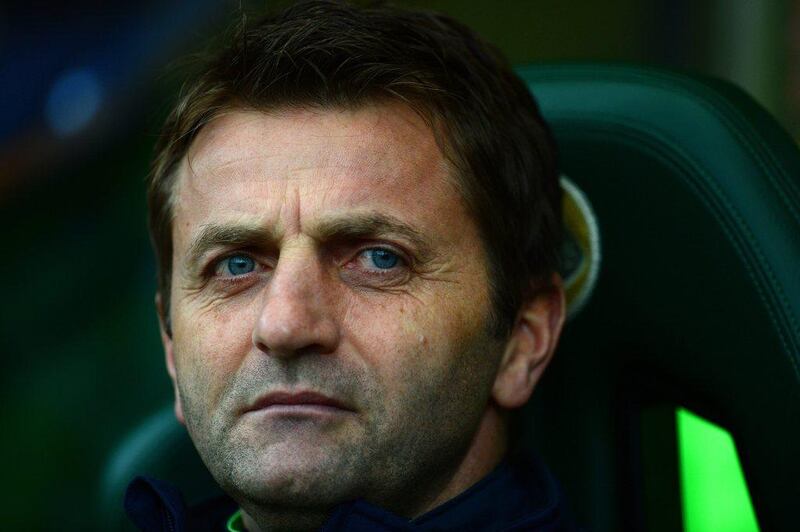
x=82, y=361
x=714, y=490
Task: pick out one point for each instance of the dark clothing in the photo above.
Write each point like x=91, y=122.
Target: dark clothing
x=518, y=495
x=154, y=505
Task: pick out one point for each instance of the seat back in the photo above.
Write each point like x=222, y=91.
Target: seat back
x=696, y=191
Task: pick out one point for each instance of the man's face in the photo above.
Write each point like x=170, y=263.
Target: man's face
x=327, y=253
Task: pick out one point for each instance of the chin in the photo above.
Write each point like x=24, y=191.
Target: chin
x=293, y=478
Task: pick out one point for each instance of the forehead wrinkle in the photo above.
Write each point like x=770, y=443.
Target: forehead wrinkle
x=374, y=160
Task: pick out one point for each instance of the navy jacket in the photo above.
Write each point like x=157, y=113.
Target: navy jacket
x=519, y=495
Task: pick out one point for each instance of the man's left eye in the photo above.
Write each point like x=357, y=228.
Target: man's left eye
x=236, y=265
x=382, y=259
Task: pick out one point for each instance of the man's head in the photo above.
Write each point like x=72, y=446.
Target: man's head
x=358, y=210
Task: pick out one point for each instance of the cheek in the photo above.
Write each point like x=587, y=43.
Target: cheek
x=423, y=357
x=210, y=344
x=405, y=339
x=383, y=333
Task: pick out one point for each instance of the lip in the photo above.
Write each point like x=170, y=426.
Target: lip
x=297, y=402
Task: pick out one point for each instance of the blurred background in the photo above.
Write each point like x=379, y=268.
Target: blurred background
x=84, y=88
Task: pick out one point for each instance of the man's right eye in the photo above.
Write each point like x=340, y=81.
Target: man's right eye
x=235, y=265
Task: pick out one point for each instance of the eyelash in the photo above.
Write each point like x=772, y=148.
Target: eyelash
x=231, y=283
x=215, y=264
x=402, y=264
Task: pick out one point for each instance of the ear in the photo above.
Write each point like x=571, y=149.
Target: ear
x=530, y=346
x=166, y=341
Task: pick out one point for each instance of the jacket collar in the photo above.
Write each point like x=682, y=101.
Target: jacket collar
x=520, y=494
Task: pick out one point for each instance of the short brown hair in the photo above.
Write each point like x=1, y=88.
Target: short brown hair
x=328, y=54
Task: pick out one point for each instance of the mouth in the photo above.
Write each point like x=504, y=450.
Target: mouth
x=298, y=403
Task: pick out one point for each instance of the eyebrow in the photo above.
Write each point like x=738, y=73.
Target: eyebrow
x=363, y=226
x=219, y=235
x=358, y=226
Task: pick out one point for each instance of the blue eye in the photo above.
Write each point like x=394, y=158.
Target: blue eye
x=382, y=258
x=239, y=265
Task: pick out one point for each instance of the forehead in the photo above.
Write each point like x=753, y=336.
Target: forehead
x=285, y=166
x=373, y=136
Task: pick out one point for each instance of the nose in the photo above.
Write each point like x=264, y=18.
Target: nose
x=296, y=316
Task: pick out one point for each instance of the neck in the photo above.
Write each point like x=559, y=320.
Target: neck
x=484, y=454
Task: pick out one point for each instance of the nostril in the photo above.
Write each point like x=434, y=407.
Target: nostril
x=260, y=346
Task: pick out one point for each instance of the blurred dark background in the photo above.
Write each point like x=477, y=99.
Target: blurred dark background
x=84, y=87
